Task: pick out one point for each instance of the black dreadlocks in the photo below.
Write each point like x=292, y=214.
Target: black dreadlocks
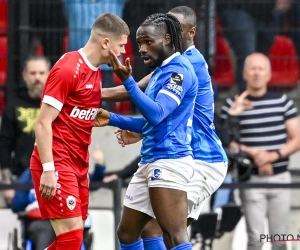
x=171, y=23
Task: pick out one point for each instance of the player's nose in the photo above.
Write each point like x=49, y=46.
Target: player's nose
x=143, y=49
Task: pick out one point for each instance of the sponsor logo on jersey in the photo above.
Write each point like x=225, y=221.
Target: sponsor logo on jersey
x=156, y=174
x=71, y=202
x=175, y=84
x=84, y=114
x=89, y=86
x=177, y=79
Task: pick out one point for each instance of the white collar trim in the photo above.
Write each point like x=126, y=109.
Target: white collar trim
x=166, y=61
x=87, y=61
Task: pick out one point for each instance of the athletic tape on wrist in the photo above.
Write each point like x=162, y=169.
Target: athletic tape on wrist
x=48, y=166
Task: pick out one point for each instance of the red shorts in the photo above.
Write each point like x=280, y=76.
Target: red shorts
x=71, y=198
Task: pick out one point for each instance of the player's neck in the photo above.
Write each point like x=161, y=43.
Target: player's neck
x=188, y=45
x=92, y=55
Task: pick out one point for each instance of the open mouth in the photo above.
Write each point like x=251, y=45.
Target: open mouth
x=146, y=59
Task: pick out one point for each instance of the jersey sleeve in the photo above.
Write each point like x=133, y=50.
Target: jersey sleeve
x=59, y=85
x=176, y=85
x=134, y=124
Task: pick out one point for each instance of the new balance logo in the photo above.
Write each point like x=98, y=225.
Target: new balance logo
x=89, y=86
x=83, y=114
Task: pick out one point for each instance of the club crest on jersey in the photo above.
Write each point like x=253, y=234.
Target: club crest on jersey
x=156, y=174
x=84, y=114
x=71, y=202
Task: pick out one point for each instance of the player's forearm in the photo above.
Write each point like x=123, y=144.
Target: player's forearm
x=133, y=124
x=154, y=111
x=119, y=93
x=115, y=94
x=43, y=132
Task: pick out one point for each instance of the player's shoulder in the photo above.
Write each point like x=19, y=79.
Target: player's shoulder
x=67, y=64
x=194, y=56
x=179, y=63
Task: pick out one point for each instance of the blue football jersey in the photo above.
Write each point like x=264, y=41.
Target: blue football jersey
x=170, y=139
x=205, y=142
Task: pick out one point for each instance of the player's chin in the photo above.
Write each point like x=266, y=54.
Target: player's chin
x=109, y=64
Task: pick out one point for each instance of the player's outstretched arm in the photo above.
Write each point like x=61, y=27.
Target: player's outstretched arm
x=154, y=111
x=105, y=118
x=119, y=93
x=43, y=132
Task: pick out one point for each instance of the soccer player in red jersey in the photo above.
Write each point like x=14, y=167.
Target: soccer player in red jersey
x=70, y=101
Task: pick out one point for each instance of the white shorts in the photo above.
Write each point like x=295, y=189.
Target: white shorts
x=165, y=173
x=207, y=179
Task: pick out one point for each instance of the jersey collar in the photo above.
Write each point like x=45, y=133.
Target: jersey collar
x=166, y=61
x=191, y=47
x=87, y=61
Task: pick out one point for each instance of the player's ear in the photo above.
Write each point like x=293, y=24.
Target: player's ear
x=167, y=39
x=105, y=43
x=192, y=32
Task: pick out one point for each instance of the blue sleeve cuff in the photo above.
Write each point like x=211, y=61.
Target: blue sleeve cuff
x=129, y=81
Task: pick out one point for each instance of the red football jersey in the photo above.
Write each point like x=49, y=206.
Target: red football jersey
x=74, y=88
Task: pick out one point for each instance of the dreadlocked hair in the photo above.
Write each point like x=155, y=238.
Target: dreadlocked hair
x=171, y=23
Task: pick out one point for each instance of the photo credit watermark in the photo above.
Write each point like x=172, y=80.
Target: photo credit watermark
x=280, y=238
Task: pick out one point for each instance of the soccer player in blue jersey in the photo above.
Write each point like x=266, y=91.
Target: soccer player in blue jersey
x=210, y=158
x=158, y=188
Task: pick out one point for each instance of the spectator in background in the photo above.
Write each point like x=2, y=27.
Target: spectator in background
x=269, y=133
x=81, y=16
x=99, y=167
x=250, y=26
x=18, y=120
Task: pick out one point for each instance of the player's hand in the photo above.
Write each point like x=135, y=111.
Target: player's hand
x=126, y=137
x=110, y=178
x=102, y=118
x=240, y=104
x=122, y=71
x=48, y=184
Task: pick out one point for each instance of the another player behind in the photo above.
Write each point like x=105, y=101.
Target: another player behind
x=71, y=99
x=158, y=189
x=209, y=155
